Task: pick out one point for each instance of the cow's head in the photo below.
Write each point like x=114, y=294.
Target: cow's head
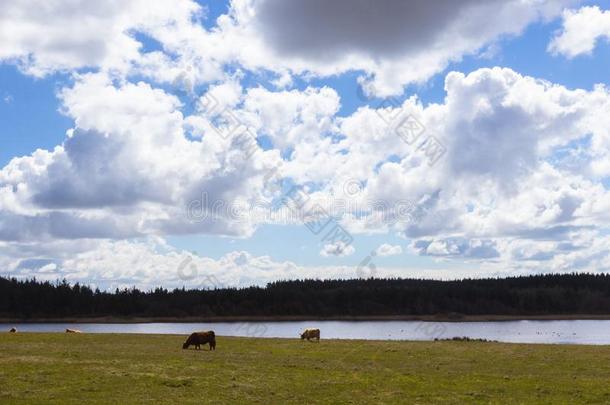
x=185, y=345
x=302, y=335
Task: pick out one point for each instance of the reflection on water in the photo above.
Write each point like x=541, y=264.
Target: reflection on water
x=565, y=332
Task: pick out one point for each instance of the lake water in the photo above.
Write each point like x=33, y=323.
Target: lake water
x=559, y=332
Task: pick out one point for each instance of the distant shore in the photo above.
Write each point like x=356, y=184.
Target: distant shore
x=427, y=318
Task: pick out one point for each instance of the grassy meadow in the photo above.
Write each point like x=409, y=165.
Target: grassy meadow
x=115, y=368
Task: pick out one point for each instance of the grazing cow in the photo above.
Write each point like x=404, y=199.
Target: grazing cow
x=73, y=331
x=201, y=338
x=311, y=334
x=13, y=330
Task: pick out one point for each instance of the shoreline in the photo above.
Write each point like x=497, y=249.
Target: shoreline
x=217, y=319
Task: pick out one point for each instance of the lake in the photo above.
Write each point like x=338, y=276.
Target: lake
x=559, y=332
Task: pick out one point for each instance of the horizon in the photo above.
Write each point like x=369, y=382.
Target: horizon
x=214, y=285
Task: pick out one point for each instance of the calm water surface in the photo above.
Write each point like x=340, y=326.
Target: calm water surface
x=561, y=332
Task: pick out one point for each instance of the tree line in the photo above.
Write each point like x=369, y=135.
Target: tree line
x=552, y=294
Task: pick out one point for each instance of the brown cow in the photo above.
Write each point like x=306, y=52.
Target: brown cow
x=201, y=338
x=311, y=334
x=73, y=331
x=13, y=330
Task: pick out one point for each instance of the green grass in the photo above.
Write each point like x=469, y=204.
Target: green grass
x=109, y=368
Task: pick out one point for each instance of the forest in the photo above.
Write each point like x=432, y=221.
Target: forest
x=529, y=295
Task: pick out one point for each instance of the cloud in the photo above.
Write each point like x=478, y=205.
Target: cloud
x=151, y=262
x=500, y=183
x=136, y=165
x=581, y=31
x=128, y=169
x=132, y=38
x=339, y=249
x=70, y=34
x=458, y=247
x=389, y=250
x=499, y=128
x=392, y=41
x=291, y=118
x=142, y=161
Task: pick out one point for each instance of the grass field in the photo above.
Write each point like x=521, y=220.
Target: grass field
x=37, y=368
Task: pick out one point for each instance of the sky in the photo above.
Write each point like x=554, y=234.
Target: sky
x=233, y=143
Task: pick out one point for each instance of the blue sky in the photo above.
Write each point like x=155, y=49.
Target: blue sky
x=494, y=203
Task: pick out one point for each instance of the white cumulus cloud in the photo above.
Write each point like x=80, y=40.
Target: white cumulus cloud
x=338, y=248
x=389, y=250
x=581, y=31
